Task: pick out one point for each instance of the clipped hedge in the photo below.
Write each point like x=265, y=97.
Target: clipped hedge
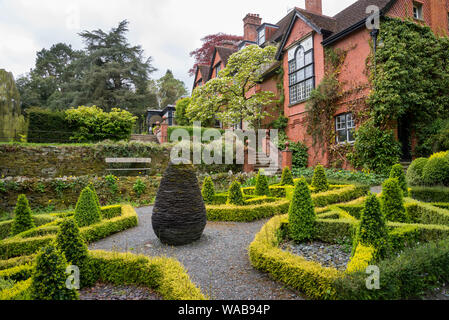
x=18, y=245
x=430, y=194
x=39, y=220
x=294, y=271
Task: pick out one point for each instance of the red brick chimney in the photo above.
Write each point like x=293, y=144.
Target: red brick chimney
x=314, y=6
x=250, y=23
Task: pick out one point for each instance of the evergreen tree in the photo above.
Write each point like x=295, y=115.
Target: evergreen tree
x=87, y=211
x=301, y=214
x=392, y=201
x=235, y=195
x=208, y=190
x=170, y=90
x=397, y=171
x=23, y=220
x=319, y=181
x=287, y=177
x=372, y=230
x=49, y=276
x=262, y=188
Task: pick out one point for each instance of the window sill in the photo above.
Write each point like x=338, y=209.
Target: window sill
x=298, y=103
x=351, y=143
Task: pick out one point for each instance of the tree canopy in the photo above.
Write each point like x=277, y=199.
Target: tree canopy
x=204, y=54
x=228, y=97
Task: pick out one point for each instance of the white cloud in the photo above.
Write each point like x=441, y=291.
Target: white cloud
x=167, y=29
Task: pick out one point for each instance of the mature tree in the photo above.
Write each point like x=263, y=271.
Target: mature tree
x=228, y=97
x=204, y=54
x=109, y=73
x=170, y=89
x=116, y=72
x=180, y=114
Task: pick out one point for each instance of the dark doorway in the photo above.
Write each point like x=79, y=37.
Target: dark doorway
x=404, y=136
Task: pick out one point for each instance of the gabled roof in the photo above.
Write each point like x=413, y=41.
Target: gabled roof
x=332, y=28
x=204, y=69
x=224, y=53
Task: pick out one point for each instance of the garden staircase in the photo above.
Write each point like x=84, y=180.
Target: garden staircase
x=144, y=138
x=405, y=165
x=263, y=162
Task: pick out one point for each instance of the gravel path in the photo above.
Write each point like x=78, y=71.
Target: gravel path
x=103, y=291
x=218, y=263
x=327, y=255
x=376, y=189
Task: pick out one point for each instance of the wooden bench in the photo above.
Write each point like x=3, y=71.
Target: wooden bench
x=128, y=160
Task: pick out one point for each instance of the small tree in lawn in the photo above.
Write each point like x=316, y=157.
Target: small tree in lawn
x=301, y=214
x=72, y=245
x=392, y=201
x=48, y=280
x=23, y=220
x=235, y=195
x=372, y=230
x=397, y=171
x=227, y=97
x=319, y=181
x=262, y=188
x=287, y=177
x=208, y=190
x=87, y=211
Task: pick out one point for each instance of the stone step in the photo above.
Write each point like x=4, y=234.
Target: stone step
x=144, y=138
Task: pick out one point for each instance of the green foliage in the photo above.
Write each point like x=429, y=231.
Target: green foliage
x=392, y=201
x=436, y=172
x=49, y=276
x=372, y=230
x=93, y=124
x=301, y=214
x=398, y=172
x=12, y=122
x=319, y=180
x=22, y=216
x=287, y=177
x=208, y=190
x=72, y=245
x=339, y=176
x=262, y=188
x=180, y=113
x=226, y=97
x=48, y=126
x=87, y=211
x=92, y=187
x=430, y=194
x=433, y=137
x=170, y=90
x=375, y=149
x=415, y=172
x=235, y=196
x=139, y=187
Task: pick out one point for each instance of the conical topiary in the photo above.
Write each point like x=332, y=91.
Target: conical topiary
x=92, y=187
x=208, y=191
x=87, y=211
x=179, y=215
x=301, y=214
x=48, y=280
x=262, y=188
x=235, y=195
x=287, y=177
x=372, y=230
x=392, y=201
x=319, y=180
x=72, y=245
x=397, y=171
x=23, y=220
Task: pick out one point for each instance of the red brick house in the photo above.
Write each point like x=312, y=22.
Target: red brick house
x=302, y=37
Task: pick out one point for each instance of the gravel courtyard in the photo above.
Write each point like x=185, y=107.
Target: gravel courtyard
x=218, y=263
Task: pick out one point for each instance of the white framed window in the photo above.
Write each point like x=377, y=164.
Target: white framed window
x=261, y=37
x=345, y=127
x=417, y=11
x=301, y=75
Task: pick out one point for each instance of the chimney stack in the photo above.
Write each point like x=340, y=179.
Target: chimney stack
x=250, y=24
x=314, y=6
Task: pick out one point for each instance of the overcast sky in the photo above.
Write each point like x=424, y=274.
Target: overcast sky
x=166, y=29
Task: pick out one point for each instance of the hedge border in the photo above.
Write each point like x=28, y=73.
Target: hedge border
x=18, y=246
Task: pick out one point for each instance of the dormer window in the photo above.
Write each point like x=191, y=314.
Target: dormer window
x=199, y=83
x=261, y=37
x=417, y=10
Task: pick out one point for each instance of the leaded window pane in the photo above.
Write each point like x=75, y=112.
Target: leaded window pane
x=300, y=58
